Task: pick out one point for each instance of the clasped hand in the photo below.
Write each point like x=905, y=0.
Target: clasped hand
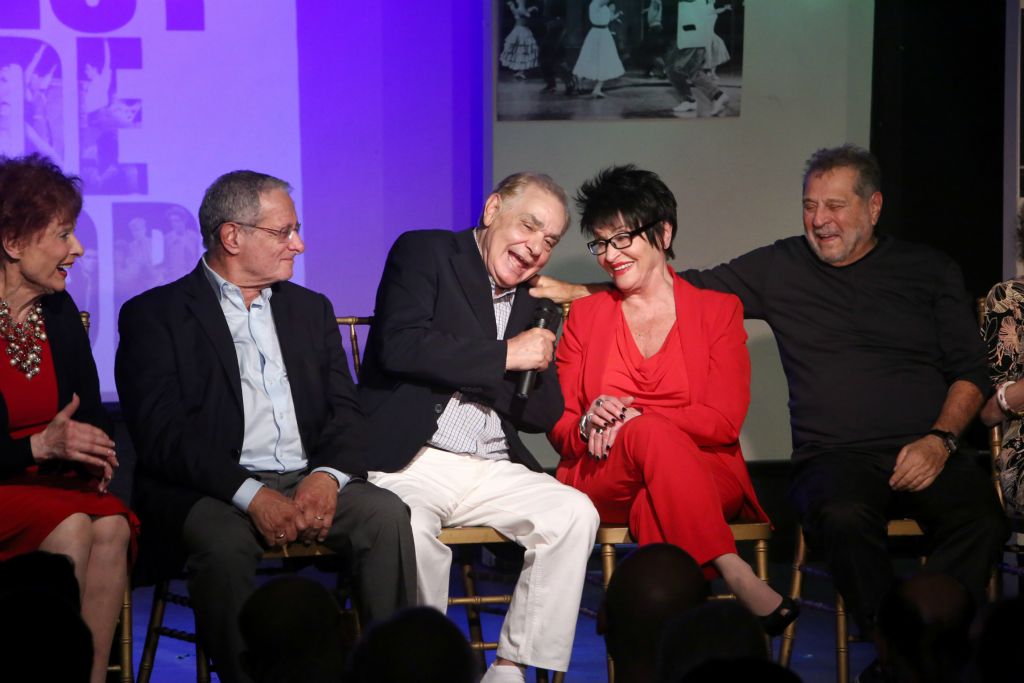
x=307, y=517
x=77, y=442
x=607, y=416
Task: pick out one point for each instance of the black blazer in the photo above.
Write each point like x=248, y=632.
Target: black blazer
x=76, y=374
x=178, y=380
x=434, y=334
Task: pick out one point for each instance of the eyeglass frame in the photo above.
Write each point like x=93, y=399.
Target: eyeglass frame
x=284, y=235
x=632, y=234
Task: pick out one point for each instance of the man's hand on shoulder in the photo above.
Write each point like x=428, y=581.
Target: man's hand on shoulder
x=278, y=519
x=918, y=463
x=544, y=287
x=317, y=497
x=531, y=349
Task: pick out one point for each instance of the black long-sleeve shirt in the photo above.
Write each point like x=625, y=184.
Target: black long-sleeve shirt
x=869, y=349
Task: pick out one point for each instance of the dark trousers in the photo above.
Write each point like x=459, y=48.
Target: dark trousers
x=371, y=526
x=844, y=502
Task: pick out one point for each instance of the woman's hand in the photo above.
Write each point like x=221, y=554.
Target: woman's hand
x=67, y=439
x=607, y=415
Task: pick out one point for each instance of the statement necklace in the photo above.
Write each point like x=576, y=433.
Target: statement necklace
x=23, y=338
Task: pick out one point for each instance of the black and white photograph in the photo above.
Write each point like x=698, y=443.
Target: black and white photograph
x=627, y=59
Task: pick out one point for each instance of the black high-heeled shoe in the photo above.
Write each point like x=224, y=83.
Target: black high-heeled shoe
x=779, y=618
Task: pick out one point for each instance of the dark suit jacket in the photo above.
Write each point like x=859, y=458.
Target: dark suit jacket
x=434, y=334
x=178, y=380
x=76, y=373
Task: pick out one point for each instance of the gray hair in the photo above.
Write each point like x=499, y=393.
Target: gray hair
x=869, y=172
x=234, y=196
x=515, y=184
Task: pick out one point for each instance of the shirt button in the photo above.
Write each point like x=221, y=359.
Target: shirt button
x=438, y=408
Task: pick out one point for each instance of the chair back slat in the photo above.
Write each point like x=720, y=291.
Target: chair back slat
x=995, y=432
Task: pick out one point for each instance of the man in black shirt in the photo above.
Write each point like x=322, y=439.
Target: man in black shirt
x=885, y=369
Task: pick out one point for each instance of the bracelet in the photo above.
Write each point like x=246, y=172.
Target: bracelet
x=584, y=422
x=1001, y=400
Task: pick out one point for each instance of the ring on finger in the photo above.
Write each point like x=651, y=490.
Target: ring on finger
x=319, y=518
x=598, y=403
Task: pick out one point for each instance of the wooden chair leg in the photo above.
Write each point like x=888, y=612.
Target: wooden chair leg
x=994, y=589
x=761, y=559
x=842, y=642
x=607, y=569
x=476, y=632
x=125, y=641
x=795, y=586
x=202, y=664
x=156, y=620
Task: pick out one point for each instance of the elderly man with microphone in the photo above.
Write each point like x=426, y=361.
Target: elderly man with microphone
x=459, y=359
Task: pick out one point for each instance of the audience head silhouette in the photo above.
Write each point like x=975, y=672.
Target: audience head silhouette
x=923, y=629
x=295, y=633
x=417, y=645
x=718, y=629
x=653, y=584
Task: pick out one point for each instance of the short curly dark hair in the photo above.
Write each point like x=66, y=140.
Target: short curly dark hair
x=639, y=196
x=33, y=193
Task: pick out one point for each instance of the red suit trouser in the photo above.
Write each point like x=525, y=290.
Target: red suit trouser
x=669, y=490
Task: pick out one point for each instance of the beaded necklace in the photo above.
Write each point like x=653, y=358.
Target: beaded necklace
x=23, y=338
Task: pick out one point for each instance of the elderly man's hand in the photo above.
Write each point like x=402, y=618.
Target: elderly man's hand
x=544, y=287
x=918, y=464
x=317, y=497
x=531, y=349
x=278, y=519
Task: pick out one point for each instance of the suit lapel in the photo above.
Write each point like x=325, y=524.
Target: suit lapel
x=472, y=277
x=202, y=302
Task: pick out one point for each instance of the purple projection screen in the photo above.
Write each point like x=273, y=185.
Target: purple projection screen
x=147, y=102
x=150, y=101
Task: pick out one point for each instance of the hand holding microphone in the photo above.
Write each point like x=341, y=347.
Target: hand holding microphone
x=534, y=348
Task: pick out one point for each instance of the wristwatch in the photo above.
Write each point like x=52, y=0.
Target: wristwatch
x=949, y=440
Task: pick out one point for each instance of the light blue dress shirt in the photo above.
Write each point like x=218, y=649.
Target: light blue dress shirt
x=271, y=442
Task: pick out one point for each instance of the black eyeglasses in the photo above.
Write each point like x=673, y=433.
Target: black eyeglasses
x=619, y=241
x=282, y=235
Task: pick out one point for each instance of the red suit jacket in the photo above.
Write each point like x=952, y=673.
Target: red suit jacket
x=717, y=365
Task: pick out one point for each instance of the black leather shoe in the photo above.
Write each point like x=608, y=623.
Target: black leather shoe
x=781, y=617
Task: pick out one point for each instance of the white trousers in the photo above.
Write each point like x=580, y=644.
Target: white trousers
x=555, y=523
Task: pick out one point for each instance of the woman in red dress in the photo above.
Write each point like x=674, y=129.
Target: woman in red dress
x=56, y=458
x=656, y=379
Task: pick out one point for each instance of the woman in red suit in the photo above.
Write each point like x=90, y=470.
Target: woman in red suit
x=656, y=379
x=56, y=458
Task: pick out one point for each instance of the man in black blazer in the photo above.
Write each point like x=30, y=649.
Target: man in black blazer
x=450, y=339
x=238, y=398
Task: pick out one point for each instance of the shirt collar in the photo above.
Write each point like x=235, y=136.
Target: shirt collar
x=224, y=289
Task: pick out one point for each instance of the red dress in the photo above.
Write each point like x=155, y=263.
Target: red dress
x=32, y=503
x=676, y=473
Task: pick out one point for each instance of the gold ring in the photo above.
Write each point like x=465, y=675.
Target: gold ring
x=319, y=518
x=279, y=536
